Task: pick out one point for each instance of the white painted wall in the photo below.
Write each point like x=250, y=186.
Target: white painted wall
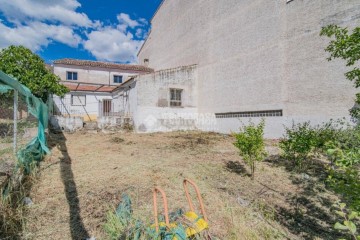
x=148, y=101
x=91, y=74
x=89, y=111
x=256, y=55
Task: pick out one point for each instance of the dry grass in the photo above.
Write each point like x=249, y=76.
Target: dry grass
x=13, y=212
x=87, y=173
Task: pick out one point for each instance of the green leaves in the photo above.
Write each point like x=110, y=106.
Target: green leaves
x=348, y=224
x=298, y=143
x=353, y=215
x=29, y=69
x=345, y=46
x=339, y=226
x=250, y=142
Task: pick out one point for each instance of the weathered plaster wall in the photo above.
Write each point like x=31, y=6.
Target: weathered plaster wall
x=256, y=55
x=88, y=112
x=148, y=100
x=91, y=74
x=154, y=112
x=70, y=124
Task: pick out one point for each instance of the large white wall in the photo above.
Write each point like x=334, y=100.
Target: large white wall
x=256, y=55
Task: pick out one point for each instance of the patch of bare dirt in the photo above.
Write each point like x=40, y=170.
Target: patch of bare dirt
x=87, y=173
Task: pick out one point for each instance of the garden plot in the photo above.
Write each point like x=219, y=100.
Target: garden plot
x=87, y=173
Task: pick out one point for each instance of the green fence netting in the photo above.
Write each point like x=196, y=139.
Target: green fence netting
x=37, y=148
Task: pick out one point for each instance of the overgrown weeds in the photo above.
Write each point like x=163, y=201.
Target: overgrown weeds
x=12, y=208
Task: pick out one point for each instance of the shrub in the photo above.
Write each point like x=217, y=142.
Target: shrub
x=344, y=153
x=298, y=143
x=350, y=219
x=325, y=134
x=250, y=142
x=349, y=138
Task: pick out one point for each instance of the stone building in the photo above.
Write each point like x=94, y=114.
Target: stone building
x=254, y=59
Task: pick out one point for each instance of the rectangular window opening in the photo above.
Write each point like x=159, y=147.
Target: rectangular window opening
x=175, y=97
x=78, y=100
x=118, y=79
x=71, y=76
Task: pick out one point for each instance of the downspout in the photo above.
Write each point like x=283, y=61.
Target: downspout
x=109, y=77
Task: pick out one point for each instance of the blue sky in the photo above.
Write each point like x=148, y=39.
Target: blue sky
x=107, y=30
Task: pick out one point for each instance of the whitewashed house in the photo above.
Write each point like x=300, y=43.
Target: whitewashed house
x=92, y=86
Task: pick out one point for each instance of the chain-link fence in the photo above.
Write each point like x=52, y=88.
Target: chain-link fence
x=17, y=126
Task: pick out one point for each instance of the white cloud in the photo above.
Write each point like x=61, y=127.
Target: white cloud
x=112, y=44
x=116, y=43
x=37, y=23
x=124, y=19
x=141, y=33
x=37, y=35
x=63, y=11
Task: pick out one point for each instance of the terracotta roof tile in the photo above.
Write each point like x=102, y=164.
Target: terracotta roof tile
x=109, y=65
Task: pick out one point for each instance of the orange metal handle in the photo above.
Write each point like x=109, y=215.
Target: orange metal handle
x=191, y=205
x=166, y=211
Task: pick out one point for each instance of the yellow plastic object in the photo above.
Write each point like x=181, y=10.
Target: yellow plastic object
x=199, y=224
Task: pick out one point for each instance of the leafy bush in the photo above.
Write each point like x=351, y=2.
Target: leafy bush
x=29, y=69
x=250, y=142
x=326, y=133
x=343, y=151
x=349, y=223
x=349, y=138
x=344, y=177
x=298, y=143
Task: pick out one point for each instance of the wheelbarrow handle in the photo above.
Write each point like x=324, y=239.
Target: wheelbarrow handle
x=191, y=205
x=166, y=211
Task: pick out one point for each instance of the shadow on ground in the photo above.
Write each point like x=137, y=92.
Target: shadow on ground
x=77, y=228
x=311, y=215
x=307, y=212
x=237, y=167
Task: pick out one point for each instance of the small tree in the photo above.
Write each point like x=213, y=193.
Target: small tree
x=346, y=46
x=29, y=69
x=298, y=143
x=250, y=142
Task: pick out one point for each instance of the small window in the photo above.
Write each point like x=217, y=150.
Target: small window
x=78, y=100
x=71, y=76
x=175, y=97
x=118, y=79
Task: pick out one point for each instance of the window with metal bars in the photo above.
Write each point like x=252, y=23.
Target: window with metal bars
x=175, y=97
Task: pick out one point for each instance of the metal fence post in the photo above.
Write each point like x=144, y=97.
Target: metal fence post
x=16, y=98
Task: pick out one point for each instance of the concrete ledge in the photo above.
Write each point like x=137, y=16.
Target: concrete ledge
x=69, y=124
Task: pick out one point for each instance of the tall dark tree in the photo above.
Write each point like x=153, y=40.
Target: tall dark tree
x=30, y=70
